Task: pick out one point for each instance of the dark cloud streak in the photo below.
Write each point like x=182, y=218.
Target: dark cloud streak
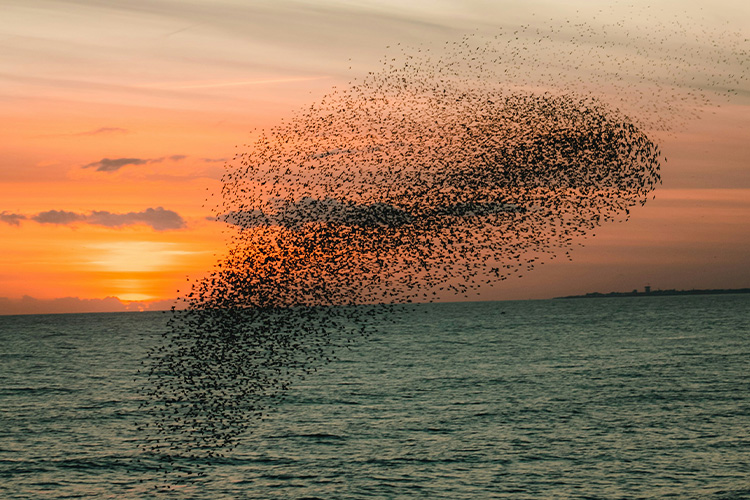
x=32, y=305
x=114, y=164
x=12, y=219
x=57, y=217
x=295, y=214
x=103, y=130
x=157, y=218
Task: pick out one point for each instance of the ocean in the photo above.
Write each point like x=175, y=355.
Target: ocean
x=629, y=397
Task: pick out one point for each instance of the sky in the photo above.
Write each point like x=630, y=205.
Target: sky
x=119, y=117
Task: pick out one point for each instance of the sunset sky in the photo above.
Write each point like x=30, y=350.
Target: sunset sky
x=119, y=116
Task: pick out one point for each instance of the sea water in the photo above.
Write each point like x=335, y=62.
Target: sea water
x=630, y=397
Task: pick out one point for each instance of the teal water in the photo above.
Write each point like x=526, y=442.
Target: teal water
x=643, y=397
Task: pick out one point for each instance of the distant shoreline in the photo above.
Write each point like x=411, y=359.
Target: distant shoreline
x=657, y=293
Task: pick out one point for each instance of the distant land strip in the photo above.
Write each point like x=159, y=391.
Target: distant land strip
x=657, y=293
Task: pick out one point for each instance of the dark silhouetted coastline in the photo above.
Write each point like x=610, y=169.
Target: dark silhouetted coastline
x=658, y=293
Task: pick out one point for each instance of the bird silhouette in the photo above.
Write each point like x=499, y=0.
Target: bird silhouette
x=444, y=171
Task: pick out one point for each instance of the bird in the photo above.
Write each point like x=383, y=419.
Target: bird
x=445, y=170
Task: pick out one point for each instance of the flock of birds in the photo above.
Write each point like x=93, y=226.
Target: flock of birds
x=448, y=169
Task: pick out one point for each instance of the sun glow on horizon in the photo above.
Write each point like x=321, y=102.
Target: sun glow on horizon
x=138, y=256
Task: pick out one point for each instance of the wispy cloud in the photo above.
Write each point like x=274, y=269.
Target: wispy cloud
x=158, y=218
x=111, y=165
x=103, y=130
x=89, y=133
x=114, y=164
x=232, y=83
x=10, y=218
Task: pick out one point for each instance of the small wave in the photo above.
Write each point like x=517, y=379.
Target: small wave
x=36, y=390
x=321, y=435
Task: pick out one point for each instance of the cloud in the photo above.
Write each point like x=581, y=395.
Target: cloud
x=57, y=217
x=109, y=165
x=88, y=133
x=32, y=305
x=158, y=218
x=236, y=83
x=12, y=219
x=331, y=211
x=114, y=164
x=103, y=130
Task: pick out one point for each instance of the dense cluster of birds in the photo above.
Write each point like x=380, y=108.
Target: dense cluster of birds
x=442, y=172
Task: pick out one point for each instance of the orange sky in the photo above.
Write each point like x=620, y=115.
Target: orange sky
x=170, y=90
